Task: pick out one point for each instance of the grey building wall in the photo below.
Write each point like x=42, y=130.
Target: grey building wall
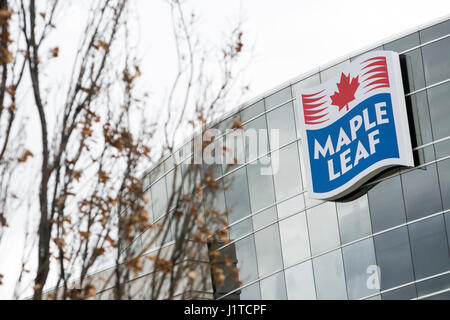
x=289, y=246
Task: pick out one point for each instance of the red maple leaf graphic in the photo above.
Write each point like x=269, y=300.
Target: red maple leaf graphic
x=346, y=92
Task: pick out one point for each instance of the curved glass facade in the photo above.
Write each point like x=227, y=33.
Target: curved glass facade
x=392, y=242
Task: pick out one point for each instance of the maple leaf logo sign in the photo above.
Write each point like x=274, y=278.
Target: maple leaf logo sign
x=346, y=92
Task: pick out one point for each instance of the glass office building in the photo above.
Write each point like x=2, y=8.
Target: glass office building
x=390, y=242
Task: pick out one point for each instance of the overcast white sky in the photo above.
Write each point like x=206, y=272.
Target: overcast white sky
x=289, y=37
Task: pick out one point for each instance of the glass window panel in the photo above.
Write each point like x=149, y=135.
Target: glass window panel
x=192, y=175
x=168, y=164
x=415, y=70
x=424, y=155
x=417, y=106
x=216, y=200
x=436, y=62
x=281, y=119
x=440, y=296
x=329, y=276
x=260, y=184
x=444, y=181
x=236, y=195
x=169, y=180
x=311, y=81
x=436, y=31
x=354, y=219
x=251, y=292
x=404, y=293
x=268, y=250
x=439, y=98
x=286, y=170
x=386, y=204
x=301, y=158
x=159, y=197
x=164, y=237
x=359, y=264
x=230, y=283
x=212, y=169
x=246, y=259
x=421, y=192
x=227, y=123
x=308, y=201
x=212, y=162
x=273, y=287
x=429, y=247
x=329, y=73
x=242, y=228
x=433, y=285
x=146, y=180
x=235, y=150
x=264, y=218
x=312, y=202
x=404, y=43
x=291, y=206
x=294, y=239
x=147, y=239
x=300, y=282
x=447, y=224
x=256, y=140
x=136, y=247
x=394, y=258
x=442, y=149
x=323, y=227
x=155, y=173
x=278, y=98
x=149, y=204
x=252, y=111
x=186, y=150
x=185, y=166
x=170, y=184
x=178, y=156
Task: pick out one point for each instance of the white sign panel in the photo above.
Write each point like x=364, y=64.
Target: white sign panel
x=354, y=125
